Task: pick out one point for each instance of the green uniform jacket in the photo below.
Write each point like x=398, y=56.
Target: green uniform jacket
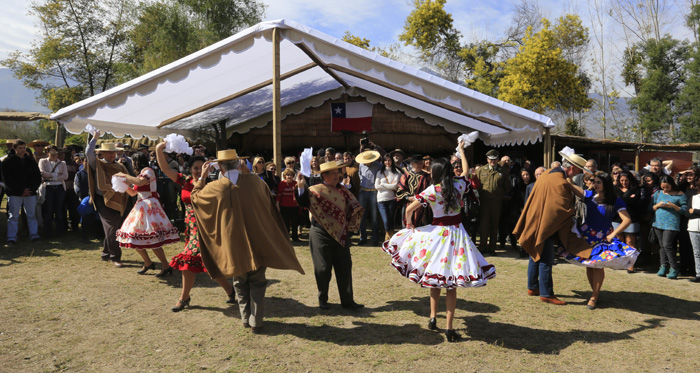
x=494, y=183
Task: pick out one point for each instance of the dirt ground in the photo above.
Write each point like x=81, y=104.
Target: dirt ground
x=64, y=309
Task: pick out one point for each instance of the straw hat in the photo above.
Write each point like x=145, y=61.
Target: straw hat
x=227, y=155
x=573, y=158
x=328, y=166
x=9, y=143
x=367, y=156
x=108, y=147
x=41, y=143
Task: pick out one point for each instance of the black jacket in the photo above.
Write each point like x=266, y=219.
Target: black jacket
x=19, y=174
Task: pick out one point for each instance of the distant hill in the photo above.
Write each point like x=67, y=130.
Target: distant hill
x=15, y=96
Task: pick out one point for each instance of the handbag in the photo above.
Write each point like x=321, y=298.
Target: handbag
x=653, y=239
x=41, y=192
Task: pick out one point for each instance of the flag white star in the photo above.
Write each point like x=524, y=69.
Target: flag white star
x=338, y=110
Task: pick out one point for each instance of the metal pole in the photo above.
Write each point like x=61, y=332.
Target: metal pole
x=276, y=102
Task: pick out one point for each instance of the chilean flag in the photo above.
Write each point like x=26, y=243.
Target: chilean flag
x=351, y=116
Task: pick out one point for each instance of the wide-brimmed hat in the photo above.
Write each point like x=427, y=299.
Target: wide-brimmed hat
x=573, y=158
x=398, y=151
x=41, y=143
x=328, y=166
x=416, y=158
x=227, y=155
x=367, y=156
x=10, y=143
x=108, y=147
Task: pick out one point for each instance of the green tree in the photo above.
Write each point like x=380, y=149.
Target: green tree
x=688, y=102
x=169, y=30
x=392, y=51
x=661, y=75
x=572, y=127
x=80, y=42
x=539, y=78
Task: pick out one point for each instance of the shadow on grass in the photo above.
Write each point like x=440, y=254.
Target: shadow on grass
x=361, y=334
x=648, y=304
x=421, y=306
x=541, y=341
x=46, y=248
x=202, y=279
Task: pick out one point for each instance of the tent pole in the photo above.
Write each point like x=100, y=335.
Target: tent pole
x=636, y=158
x=58, y=139
x=221, y=143
x=276, y=104
x=547, y=147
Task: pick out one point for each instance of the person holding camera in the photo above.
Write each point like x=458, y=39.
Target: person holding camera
x=369, y=167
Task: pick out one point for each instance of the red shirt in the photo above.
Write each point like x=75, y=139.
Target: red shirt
x=285, y=194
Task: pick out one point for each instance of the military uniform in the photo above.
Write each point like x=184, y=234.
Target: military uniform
x=494, y=184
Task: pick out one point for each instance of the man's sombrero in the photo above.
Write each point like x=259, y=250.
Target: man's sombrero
x=227, y=155
x=367, y=156
x=328, y=166
x=108, y=147
x=9, y=143
x=570, y=156
x=399, y=151
x=35, y=143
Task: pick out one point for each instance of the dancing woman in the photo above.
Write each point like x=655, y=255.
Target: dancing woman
x=440, y=255
x=602, y=205
x=189, y=262
x=146, y=226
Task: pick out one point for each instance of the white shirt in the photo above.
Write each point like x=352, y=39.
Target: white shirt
x=232, y=175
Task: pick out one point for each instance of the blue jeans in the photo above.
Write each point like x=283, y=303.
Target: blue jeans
x=539, y=274
x=368, y=200
x=14, y=203
x=387, y=209
x=53, y=210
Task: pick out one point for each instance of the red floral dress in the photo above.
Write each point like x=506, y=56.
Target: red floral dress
x=147, y=226
x=188, y=259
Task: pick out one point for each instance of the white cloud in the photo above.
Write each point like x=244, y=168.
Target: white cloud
x=18, y=30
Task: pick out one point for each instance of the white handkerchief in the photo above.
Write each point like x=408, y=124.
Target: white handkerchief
x=467, y=139
x=175, y=143
x=305, y=160
x=90, y=129
x=119, y=184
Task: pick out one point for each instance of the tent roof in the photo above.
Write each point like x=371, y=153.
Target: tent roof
x=231, y=80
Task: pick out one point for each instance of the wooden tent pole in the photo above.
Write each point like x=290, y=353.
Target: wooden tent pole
x=276, y=102
x=547, y=148
x=636, y=158
x=58, y=138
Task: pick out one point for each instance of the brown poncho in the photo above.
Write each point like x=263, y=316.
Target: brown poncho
x=549, y=210
x=102, y=179
x=336, y=209
x=240, y=228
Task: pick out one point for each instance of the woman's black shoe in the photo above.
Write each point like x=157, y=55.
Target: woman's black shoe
x=165, y=272
x=452, y=336
x=145, y=269
x=432, y=324
x=232, y=297
x=181, y=304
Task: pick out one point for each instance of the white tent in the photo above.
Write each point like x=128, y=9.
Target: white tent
x=233, y=80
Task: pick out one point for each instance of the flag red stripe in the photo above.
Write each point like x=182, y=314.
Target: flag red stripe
x=351, y=124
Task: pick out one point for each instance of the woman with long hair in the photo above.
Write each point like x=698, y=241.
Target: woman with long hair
x=259, y=166
x=668, y=204
x=146, y=226
x=602, y=205
x=386, y=183
x=628, y=190
x=189, y=262
x=440, y=255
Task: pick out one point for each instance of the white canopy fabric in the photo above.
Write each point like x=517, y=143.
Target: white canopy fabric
x=231, y=80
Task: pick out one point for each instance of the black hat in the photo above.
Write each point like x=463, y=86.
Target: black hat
x=143, y=146
x=398, y=151
x=492, y=154
x=416, y=158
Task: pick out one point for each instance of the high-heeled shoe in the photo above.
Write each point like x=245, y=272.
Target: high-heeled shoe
x=452, y=335
x=592, y=306
x=146, y=268
x=231, y=297
x=181, y=304
x=165, y=272
x=432, y=324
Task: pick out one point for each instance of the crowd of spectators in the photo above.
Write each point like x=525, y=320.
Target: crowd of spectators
x=49, y=186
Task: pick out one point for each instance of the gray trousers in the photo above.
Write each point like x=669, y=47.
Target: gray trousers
x=327, y=255
x=111, y=222
x=250, y=290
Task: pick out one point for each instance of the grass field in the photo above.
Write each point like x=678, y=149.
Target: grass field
x=64, y=309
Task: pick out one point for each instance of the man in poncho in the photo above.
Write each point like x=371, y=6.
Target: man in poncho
x=335, y=213
x=241, y=233
x=548, y=212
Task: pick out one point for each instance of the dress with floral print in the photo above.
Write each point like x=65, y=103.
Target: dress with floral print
x=189, y=259
x=440, y=255
x=597, y=226
x=147, y=226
